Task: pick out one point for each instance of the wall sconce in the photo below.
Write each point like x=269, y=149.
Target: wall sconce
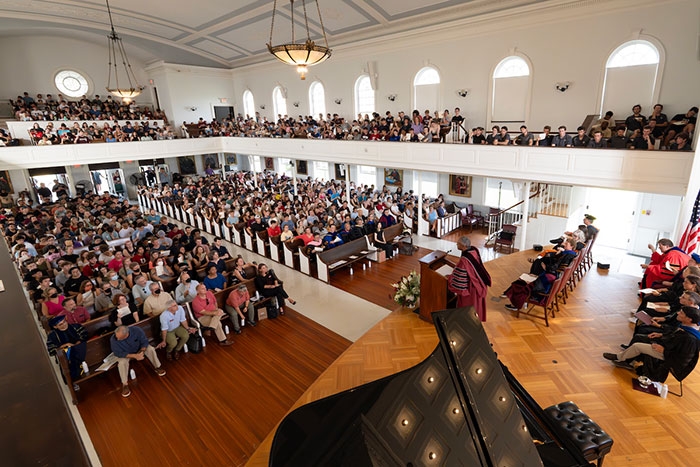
x=262, y=106
x=338, y=100
x=223, y=100
x=562, y=87
x=391, y=97
x=295, y=104
x=191, y=108
x=462, y=92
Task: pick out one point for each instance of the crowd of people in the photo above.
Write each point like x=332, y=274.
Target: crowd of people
x=27, y=108
x=319, y=214
x=97, y=257
x=666, y=335
x=637, y=132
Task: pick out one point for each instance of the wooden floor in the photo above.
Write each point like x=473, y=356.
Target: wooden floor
x=213, y=408
x=555, y=364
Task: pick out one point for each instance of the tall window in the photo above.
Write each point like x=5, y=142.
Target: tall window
x=249, y=104
x=279, y=102
x=500, y=193
x=429, y=184
x=317, y=99
x=367, y=175
x=426, y=89
x=257, y=164
x=321, y=170
x=631, y=74
x=364, y=96
x=286, y=166
x=511, y=89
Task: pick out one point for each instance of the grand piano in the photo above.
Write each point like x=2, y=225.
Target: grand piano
x=458, y=407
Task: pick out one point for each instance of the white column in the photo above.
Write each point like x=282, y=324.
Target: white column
x=347, y=183
x=418, y=184
x=523, y=223
x=294, y=175
x=251, y=162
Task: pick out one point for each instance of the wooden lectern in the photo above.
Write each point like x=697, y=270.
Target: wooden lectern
x=433, y=285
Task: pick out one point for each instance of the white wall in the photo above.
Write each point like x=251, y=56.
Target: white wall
x=30, y=63
x=570, y=44
x=181, y=88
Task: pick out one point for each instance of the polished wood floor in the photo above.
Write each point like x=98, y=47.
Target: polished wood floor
x=213, y=408
x=555, y=364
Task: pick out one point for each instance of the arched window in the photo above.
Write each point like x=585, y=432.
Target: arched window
x=248, y=104
x=426, y=89
x=279, y=102
x=364, y=96
x=631, y=74
x=510, y=90
x=511, y=67
x=317, y=99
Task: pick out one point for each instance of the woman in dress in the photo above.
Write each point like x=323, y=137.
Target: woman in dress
x=267, y=283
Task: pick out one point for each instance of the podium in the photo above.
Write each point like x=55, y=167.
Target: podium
x=434, y=295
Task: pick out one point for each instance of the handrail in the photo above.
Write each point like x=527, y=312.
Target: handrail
x=537, y=193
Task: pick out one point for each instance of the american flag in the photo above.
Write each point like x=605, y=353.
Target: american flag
x=689, y=240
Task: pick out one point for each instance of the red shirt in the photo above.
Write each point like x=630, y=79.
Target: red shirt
x=204, y=304
x=274, y=231
x=236, y=299
x=90, y=270
x=78, y=316
x=306, y=238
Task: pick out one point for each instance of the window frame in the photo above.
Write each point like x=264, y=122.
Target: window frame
x=277, y=99
x=317, y=108
x=249, y=101
x=361, y=80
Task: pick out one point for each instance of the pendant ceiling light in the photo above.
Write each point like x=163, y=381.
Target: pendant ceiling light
x=301, y=54
x=129, y=87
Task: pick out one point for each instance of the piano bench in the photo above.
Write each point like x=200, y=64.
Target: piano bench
x=574, y=424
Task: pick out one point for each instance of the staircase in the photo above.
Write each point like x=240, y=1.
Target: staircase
x=545, y=199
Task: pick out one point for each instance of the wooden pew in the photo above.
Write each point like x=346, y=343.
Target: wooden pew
x=237, y=232
x=276, y=252
x=391, y=235
x=291, y=253
x=262, y=240
x=344, y=255
x=98, y=348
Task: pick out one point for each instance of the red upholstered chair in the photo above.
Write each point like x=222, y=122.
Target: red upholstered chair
x=472, y=218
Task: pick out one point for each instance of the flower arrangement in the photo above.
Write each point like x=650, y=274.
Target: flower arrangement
x=407, y=290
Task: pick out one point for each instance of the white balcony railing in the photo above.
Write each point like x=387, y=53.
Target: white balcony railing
x=660, y=172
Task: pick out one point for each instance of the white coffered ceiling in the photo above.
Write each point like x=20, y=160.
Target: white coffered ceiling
x=231, y=33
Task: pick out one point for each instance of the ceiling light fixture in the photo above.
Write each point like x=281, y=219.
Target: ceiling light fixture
x=301, y=55
x=117, y=47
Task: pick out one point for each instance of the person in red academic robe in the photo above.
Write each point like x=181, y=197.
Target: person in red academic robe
x=470, y=279
x=664, y=265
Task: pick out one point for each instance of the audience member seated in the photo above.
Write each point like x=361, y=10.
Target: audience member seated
x=186, y=289
x=236, y=302
x=175, y=330
x=157, y=301
x=73, y=313
x=675, y=350
x=129, y=343
x=267, y=283
x=381, y=243
x=124, y=312
x=69, y=338
x=214, y=280
x=543, y=273
x=663, y=266
x=208, y=314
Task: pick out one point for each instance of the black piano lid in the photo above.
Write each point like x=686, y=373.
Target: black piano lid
x=454, y=408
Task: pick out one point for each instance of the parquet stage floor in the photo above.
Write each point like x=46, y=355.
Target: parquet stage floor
x=557, y=363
